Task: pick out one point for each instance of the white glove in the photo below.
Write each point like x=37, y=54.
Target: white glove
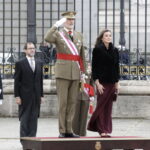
x=92, y=98
x=83, y=77
x=60, y=22
x=1, y=102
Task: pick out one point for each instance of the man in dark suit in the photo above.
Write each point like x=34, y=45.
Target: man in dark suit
x=28, y=91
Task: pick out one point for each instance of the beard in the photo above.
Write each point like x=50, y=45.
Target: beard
x=70, y=26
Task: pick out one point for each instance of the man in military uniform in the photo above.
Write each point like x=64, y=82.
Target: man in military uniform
x=68, y=69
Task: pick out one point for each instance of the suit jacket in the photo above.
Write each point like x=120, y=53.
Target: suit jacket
x=1, y=87
x=66, y=69
x=28, y=84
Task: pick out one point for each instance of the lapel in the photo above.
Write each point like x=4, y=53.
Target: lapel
x=28, y=66
x=66, y=34
x=75, y=38
x=36, y=66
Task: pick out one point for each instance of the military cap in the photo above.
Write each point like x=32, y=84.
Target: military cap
x=69, y=14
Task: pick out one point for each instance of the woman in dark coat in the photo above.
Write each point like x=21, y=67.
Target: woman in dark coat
x=105, y=73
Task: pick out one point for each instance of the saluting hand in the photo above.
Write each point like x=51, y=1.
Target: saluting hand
x=60, y=22
x=99, y=87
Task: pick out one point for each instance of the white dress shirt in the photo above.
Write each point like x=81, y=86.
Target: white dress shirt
x=33, y=61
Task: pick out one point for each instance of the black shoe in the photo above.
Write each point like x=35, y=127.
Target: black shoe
x=62, y=135
x=72, y=135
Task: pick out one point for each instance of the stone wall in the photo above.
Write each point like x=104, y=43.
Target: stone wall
x=133, y=100
x=48, y=107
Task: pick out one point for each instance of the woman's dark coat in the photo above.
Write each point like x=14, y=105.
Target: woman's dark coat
x=105, y=64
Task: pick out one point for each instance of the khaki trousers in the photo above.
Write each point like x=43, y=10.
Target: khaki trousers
x=80, y=117
x=67, y=91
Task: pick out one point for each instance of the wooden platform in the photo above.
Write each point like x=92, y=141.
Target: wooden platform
x=85, y=143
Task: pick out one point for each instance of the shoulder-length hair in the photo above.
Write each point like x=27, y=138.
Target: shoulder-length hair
x=99, y=38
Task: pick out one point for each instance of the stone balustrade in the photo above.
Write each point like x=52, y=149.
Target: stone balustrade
x=133, y=100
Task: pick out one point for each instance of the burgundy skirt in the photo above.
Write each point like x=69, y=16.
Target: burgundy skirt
x=101, y=119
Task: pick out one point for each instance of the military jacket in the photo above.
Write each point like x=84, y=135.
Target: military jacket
x=66, y=69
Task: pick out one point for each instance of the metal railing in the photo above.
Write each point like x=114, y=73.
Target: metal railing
x=129, y=22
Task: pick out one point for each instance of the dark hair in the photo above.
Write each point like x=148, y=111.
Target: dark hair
x=26, y=45
x=99, y=38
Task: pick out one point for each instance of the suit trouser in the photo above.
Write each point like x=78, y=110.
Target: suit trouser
x=28, y=122
x=80, y=118
x=67, y=91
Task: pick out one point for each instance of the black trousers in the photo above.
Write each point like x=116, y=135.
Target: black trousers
x=28, y=121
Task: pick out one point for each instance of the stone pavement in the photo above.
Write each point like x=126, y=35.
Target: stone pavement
x=48, y=127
